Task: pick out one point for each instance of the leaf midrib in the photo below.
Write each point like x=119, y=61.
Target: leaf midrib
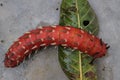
x=78, y=16
x=79, y=26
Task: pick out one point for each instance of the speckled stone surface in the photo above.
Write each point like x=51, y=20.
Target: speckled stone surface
x=19, y=16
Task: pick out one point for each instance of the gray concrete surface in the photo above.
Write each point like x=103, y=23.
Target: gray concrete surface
x=19, y=16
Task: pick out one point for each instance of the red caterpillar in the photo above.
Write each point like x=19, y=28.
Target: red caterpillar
x=67, y=36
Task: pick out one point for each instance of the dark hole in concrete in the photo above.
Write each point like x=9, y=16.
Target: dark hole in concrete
x=57, y=8
x=2, y=41
x=1, y=4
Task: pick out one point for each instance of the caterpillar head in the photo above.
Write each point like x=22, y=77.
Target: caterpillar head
x=102, y=52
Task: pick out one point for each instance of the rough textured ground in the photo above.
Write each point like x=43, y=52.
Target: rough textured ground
x=19, y=16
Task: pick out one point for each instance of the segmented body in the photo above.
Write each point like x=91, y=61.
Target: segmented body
x=54, y=35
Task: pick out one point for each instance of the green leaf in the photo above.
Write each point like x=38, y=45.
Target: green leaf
x=75, y=64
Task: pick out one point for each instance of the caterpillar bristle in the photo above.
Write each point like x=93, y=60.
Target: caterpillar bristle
x=29, y=56
x=65, y=47
x=106, y=44
x=73, y=49
x=24, y=60
x=92, y=61
x=45, y=47
x=55, y=47
x=107, y=47
x=101, y=42
x=36, y=51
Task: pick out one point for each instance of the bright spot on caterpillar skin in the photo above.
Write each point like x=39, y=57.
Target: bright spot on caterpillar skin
x=65, y=40
x=10, y=50
x=27, y=32
x=53, y=38
x=53, y=43
x=18, y=56
x=43, y=44
x=67, y=32
x=32, y=42
x=93, y=36
x=29, y=36
x=64, y=44
x=53, y=26
x=90, y=32
x=40, y=27
x=42, y=39
x=17, y=62
x=20, y=42
x=82, y=31
x=41, y=32
x=34, y=47
x=12, y=59
x=75, y=47
x=23, y=47
x=86, y=51
x=53, y=30
x=68, y=28
x=26, y=51
x=13, y=52
x=16, y=40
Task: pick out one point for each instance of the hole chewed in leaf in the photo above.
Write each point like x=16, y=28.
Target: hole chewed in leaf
x=86, y=22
